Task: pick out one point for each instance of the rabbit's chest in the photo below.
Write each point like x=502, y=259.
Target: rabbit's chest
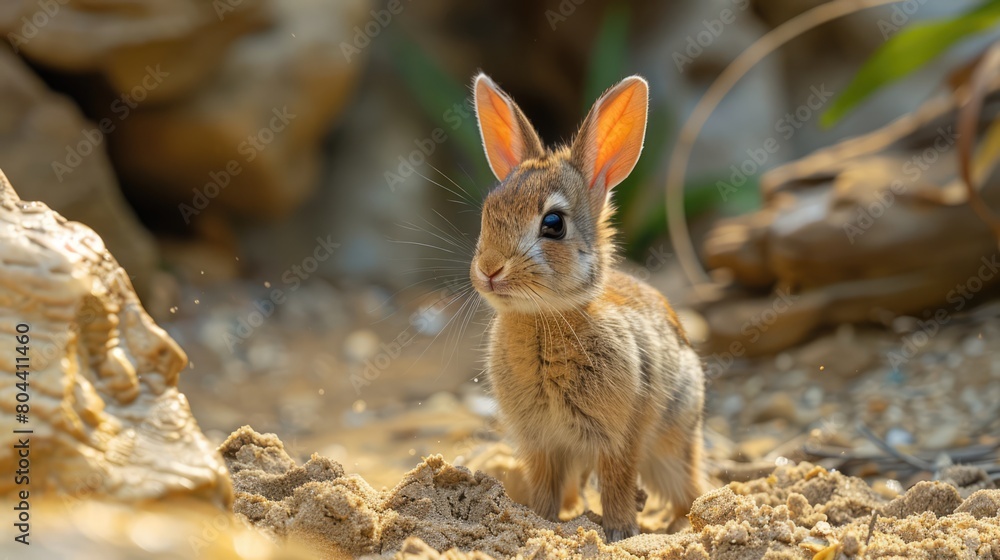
x=565, y=392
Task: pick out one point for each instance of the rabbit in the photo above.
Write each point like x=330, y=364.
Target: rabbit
x=590, y=367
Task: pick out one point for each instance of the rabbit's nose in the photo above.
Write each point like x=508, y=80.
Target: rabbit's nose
x=489, y=277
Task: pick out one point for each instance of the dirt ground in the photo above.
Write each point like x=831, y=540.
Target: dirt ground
x=338, y=372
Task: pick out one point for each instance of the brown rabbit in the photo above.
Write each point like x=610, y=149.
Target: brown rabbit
x=590, y=366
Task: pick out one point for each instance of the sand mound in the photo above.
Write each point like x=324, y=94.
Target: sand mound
x=800, y=511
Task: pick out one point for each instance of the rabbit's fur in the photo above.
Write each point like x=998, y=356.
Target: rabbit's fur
x=590, y=366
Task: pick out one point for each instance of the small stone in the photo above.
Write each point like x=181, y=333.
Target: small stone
x=361, y=345
x=942, y=437
x=784, y=361
x=888, y=489
x=852, y=546
x=813, y=397
x=755, y=448
x=732, y=405
x=777, y=406
x=877, y=405
x=898, y=437
x=973, y=346
x=442, y=401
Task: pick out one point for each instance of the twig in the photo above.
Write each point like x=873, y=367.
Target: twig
x=871, y=527
x=881, y=444
x=968, y=124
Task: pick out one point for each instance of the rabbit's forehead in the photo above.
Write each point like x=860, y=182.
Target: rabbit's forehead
x=530, y=192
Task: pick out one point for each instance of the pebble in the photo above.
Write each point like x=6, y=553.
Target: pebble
x=732, y=405
x=813, y=397
x=898, y=437
x=267, y=356
x=784, y=361
x=442, y=401
x=893, y=415
x=877, y=405
x=941, y=437
x=361, y=345
x=776, y=406
x=974, y=346
x=481, y=405
x=753, y=386
x=953, y=361
x=754, y=449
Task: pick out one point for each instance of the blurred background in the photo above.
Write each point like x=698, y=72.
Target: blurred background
x=293, y=187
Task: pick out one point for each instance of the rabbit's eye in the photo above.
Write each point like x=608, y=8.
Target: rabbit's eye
x=553, y=226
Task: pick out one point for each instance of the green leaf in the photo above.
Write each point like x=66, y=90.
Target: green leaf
x=908, y=51
x=437, y=93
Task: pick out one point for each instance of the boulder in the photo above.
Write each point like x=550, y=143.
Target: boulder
x=99, y=388
x=862, y=231
x=247, y=142
x=54, y=155
x=122, y=40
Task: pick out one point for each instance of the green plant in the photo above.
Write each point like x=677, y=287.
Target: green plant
x=908, y=51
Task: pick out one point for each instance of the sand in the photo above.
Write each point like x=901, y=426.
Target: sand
x=439, y=510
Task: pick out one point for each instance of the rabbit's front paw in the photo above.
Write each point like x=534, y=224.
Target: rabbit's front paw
x=619, y=533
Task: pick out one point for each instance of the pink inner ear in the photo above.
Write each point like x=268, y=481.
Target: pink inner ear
x=498, y=126
x=618, y=133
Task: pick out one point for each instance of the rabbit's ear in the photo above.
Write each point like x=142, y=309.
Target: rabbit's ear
x=610, y=140
x=508, y=137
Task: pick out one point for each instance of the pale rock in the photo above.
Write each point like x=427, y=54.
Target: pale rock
x=38, y=129
x=107, y=417
x=247, y=141
x=122, y=40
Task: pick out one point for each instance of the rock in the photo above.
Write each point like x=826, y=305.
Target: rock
x=106, y=415
x=844, y=354
x=120, y=40
x=875, y=222
x=899, y=437
x=775, y=406
x=38, y=128
x=943, y=436
x=755, y=448
x=247, y=141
